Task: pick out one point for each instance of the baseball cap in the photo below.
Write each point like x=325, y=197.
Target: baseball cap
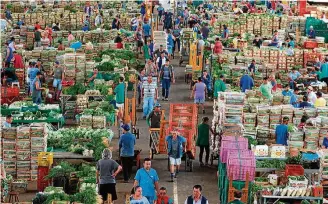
x=33, y=63
x=157, y=105
x=57, y=62
x=125, y=127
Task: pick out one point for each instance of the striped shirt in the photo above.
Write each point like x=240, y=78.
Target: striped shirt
x=149, y=89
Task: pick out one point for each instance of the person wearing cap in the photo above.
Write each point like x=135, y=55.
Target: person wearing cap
x=107, y=170
x=154, y=117
x=287, y=91
x=266, y=89
x=311, y=95
x=126, y=145
x=58, y=73
x=176, y=145
x=320, y=102
x=294, y=75
x=282, y=132
x=36, y=89
x=324, y=71
x=219, y=86
x=311, y=33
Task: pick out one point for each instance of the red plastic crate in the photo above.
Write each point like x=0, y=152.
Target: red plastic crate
x=294, y=170
x=68, y=83
x=310, y=44
x=9, y=92
x=318, y=191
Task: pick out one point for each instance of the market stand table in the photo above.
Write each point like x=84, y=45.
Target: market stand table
x=265, y=197
x=59, y=122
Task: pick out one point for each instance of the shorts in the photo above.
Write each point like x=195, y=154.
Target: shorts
x=120, y=105
x=57, y=83
x=169, y=50
x=199, y=100
x=174, y=161
x=105, y=189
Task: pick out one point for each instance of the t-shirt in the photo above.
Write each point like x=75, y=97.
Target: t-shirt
x=287, y=93
x=266, y=90
x=312, y=97
x=200, y=90
x=32, y=73
x=146, y=29
x=246, y=83
x=219, y=86
x=324, y=71
x=295, y=75
x=257, y=43
x=58, y=72
x=107, y=168
x=6, y=124
x=294, y=100
x=143, y=200
x=120, y=93
x=320, y=102
x=205, y=32
x=236, y=202
x=155, y=119
x=146, y=180
x=126, y=143
x=175, y=149
x=149, y=89
x=37, y=36
x=201, y=43
x=281, y=134
x=203, y=135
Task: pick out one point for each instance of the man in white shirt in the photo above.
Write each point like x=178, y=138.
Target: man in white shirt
x=134, y=23
x=200, y=44
x=311, y=95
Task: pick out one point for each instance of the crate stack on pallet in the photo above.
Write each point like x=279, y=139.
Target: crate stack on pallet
x=265, y=55
x=311, y=141
x=8, y=151
x=23, y=153
x=39, y=134
x=257, y=25
x=80, y=68
x=263, y=125
x=70, y=65
x=266, y=26
x=275, y=23
x=250, y=22
x=275, y=117
x=236, y=170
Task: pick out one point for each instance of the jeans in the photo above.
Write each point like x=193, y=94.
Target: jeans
x=127, y=163
x=207, y=149
x=177, y=41
x=292, y=84
x=36, y=98
x=166, y=87
x=148, y=105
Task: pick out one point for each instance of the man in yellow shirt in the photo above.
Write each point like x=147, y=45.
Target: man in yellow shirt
x=319, y=102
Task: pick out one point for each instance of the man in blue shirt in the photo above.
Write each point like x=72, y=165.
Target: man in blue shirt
x=251, y=67
x=287, y=91
x=146, y=30
x=147, y=179
x=7, y=123
x=282, y=132
x=246, y=82
x=293, y=77
x=206, y=78
x=85, y=28
x=294, y=98
x=32, y=74
x=126, y=145
x=311, y=33
x=175, y=146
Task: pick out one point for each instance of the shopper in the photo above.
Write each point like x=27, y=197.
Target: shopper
x=7, y=123
x=218, y=47
x=167, y=76
x=170, y=44
x=163, y=198
x=252, y=67
x=154, y=118
x=282, y=132
x=246, y=82
x=320, y=102
x=126, y=145
x=176, y=34
x=17, y=61
x=219, y=86
x=146, y=51
x=266, y=89
x=58, y=74
x=149, y=93
x=311, y=95
x=203, y=139
x=206, y=78
x=146, y=28
x=159, y=51
x=116, y=24
x=324, y=71
x=196, y=197
x=160, y=61
x=150, y=68
x=205, y=31
x=120, y=94
x=237, y=198
x=36, y=89
x=176, y=145
x=147, y=179
x=198, y=93
x=9, y=55
x=107, y=170
x=225, y=34
x=311, y=33
x=137, y=197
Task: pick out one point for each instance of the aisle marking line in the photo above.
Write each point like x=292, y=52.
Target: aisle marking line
x=175, y=192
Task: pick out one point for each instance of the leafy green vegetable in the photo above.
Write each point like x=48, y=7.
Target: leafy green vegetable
x=274, y=163
x=64, y=169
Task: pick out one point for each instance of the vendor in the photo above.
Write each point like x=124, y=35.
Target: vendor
x=325, y=142
x=293, y=77
x=257, y=42
x=9, y=76
x=154, y=117
x=294, y=98
x=58, y=74
x=303, y=122
x=266, y=89
x=225, y=34
x=219, y=86
x=274, y=40
x=287, y=91
x=251, y=67
x=282, y=132
x=36, y=89
x=311, y=33
x=7, y=123
x=218, y=47
x=246, y=82
x=237, y=197
x=118, y=38
x=94, y=75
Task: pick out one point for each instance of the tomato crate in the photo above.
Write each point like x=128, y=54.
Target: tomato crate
x=294, y=170
x=310, y=44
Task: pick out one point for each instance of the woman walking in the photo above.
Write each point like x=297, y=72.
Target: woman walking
x=107, y=169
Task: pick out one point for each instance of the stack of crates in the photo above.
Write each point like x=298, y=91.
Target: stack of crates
x=8, y=151
x=23, y=153
x=160, y=38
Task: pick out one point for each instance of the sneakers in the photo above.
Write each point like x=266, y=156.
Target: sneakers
x=166, y=99
x=176, y=174
x=172, y=176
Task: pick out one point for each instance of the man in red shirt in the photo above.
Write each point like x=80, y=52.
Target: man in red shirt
x=17, y=61
x=37, y=26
